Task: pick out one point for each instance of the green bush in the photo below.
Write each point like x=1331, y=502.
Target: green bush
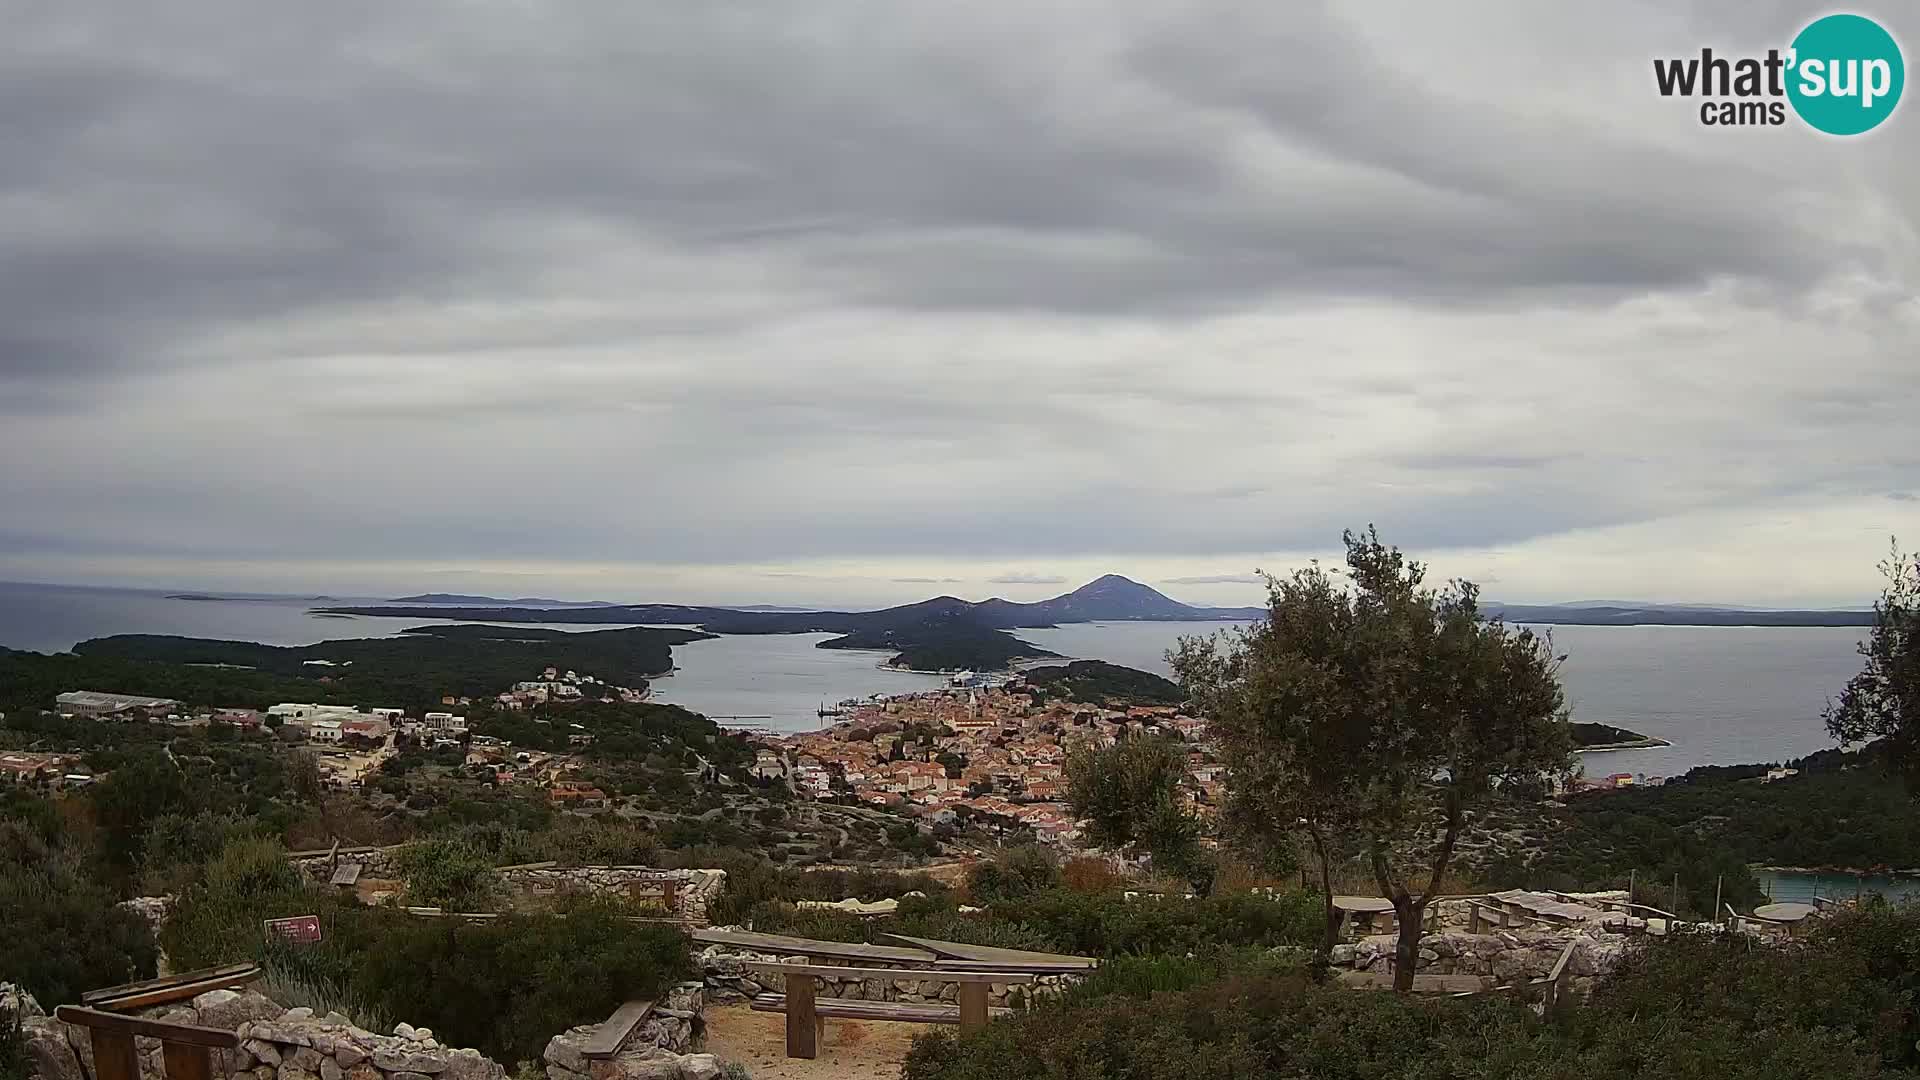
x=1017, y=872
x=521, y=978
x=504, y=986
x=1690, y=1007
x=449, y=874
x=60, y=933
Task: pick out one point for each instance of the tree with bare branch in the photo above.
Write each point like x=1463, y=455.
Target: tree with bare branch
x=1371, y=714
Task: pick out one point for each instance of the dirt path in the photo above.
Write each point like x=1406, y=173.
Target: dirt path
x=851, y=1050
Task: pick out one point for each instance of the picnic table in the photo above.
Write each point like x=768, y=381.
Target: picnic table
x=1788, y=916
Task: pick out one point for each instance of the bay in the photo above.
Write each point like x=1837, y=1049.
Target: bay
x=1720, y=695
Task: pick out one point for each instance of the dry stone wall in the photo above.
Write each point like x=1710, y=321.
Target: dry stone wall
x=693, y=890
x=1508, y=957
x=276, y=1043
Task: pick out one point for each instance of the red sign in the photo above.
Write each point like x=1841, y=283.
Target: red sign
x=300, y=929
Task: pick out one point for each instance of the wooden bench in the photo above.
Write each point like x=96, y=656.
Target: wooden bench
x=612, y=1033
x=805, y=1013
x=170, y=988
x=186, y=1050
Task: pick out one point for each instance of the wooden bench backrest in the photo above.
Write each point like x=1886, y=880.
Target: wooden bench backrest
x=185, y=1049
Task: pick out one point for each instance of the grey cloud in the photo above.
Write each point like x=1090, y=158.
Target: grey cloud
x=1017, y=578
x=925, y=580
x=748, y=283
x=1217, y=579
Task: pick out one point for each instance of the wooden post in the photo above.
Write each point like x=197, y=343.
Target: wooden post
x=973, y=1005
x=1473, y=918
x=186, y=1061
x=802, y=1022
x=113, y=1055
x=670, y=896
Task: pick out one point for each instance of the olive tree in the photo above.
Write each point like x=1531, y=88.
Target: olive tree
x=1883, y=700
x=1129, y=795
x=1370, y=714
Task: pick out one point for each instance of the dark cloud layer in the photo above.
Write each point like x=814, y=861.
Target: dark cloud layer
x=646, y=283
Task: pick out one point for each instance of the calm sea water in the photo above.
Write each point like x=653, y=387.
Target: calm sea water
x=1785, y=887
x=1721, y=695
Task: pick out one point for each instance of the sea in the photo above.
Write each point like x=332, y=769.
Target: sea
x=1719, y=695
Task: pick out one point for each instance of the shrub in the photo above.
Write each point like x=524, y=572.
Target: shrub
x=450, y=874
x=60, y=933
x=522, y=978
x=1693, y=1007
x=1017, y=872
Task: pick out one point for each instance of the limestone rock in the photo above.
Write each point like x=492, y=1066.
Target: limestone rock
x=304, y=1058
x=347, y=1053
x=403, y=1030
x=700, y=1067
x=330, y=1070
x=393, y=1061
x=268, y=1053
x=294, y=1016
x=289, y=1072
x=563, y=1050
x=19, y=1003
x=555, y=1072
x=280, y=1033
x=229, y=1009
x=364, y=1071
x=406, y=1075
x=50, y=1055
x=471, y=1065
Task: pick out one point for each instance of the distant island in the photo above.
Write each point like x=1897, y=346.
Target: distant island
x=947, y=633
x=942, y=634
x=1608, y=737
x=1677, y=615
x=524, y=601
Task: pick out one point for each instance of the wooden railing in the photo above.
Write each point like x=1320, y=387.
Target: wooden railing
x=186, y=1050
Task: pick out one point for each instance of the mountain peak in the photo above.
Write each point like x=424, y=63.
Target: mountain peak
x=1111, y=596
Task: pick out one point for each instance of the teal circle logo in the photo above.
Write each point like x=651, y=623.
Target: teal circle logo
x=1845, y=74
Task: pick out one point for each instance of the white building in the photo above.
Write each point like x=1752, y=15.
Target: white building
x=445, y=722
x=325, y=730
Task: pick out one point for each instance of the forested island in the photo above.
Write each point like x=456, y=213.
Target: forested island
x=1098, y=682
x=415, y=668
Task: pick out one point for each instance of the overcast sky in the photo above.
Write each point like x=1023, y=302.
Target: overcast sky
x=843, y=302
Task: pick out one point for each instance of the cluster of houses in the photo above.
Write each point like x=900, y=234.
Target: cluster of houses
x=554, y=685
x=46, y=771
x=987, y=755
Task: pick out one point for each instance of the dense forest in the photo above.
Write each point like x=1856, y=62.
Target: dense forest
x=411, y=670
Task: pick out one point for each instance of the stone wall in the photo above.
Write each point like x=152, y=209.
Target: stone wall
x=724, y=969
x=1508, y=957
x=276, y=1044
x=694, y=890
